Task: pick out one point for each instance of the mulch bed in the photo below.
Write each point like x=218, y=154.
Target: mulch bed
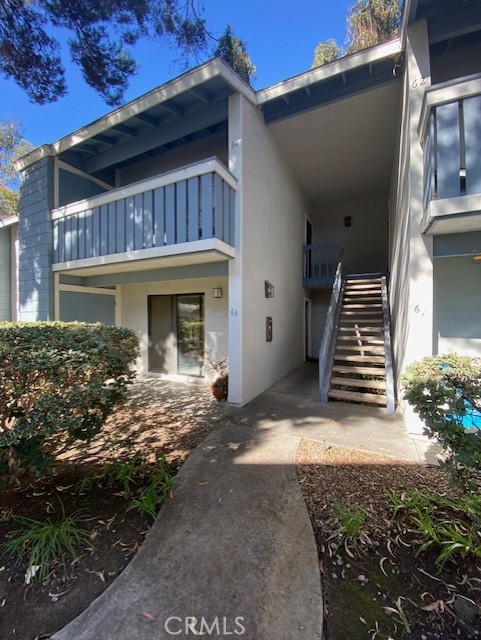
x=29, y=612
x=382, y=589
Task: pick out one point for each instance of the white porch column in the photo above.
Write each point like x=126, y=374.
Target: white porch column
x=235, y=311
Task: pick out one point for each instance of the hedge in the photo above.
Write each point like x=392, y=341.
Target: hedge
x=58, y=377
x=445, y=391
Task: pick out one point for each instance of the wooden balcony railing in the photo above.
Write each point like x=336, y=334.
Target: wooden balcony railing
x=186, y=205
x=320, y=263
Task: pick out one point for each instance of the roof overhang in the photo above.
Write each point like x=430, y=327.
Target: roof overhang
x=9, y=221
x=193, y=81
x=330, y=82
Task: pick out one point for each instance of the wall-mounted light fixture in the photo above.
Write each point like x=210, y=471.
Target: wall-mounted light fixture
x=269, y=289
x=217, y=292
x=476, y=256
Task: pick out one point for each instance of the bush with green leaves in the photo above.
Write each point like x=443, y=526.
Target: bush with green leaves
x=445, y=391
x=58, y=378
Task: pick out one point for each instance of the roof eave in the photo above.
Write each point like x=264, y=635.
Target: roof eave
x=191, y=79
x=342, y=65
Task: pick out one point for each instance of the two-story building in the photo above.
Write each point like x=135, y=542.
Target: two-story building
x=215, y=220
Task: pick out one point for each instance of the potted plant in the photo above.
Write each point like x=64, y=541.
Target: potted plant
x=219, y=379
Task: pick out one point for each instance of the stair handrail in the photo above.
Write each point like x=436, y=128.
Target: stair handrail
x=390, y=389
x=326, y=350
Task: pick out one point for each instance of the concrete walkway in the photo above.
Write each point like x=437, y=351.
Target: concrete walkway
x=234, y=546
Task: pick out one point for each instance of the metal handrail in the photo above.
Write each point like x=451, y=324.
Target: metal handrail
x=326, y=350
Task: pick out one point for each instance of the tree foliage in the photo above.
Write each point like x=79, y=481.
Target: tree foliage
x=369, y=23
x=101, y=32
x=325, y=52
x=12, y=146
x=372, y=22
x=233, y=51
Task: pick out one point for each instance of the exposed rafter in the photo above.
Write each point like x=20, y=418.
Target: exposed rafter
x=122, y=128
x=146, y=119
x=105, y=139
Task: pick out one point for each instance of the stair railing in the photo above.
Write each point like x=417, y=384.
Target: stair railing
x=326, y=350
x=390, y=390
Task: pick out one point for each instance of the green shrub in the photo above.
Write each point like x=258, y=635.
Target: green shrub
x=444, y=391
x=58, y=378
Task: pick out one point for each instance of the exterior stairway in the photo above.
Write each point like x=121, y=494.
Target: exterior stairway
x=358, y=372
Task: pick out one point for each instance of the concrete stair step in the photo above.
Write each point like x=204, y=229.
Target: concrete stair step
x=356, y=396
x=355, y=382
x=349, y=369
x=356, y=358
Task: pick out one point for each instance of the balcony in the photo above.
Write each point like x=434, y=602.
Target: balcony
x=320, y=264
x=451, y=122
x=162, y=221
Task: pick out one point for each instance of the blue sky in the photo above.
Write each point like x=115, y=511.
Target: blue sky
x=280, y=36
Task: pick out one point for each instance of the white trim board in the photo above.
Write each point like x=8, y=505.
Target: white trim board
x=196, y=169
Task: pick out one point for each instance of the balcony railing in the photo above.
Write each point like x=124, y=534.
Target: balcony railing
x=320, y=263
x=187, y=205
x=452, y=156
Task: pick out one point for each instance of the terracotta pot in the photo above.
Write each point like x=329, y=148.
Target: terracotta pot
x=219, y=389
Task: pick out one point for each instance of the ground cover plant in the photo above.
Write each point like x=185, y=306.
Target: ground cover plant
x=98, y=504
x=399, y=546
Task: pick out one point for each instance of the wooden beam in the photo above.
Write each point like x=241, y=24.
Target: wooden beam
x=128, y=131
x=146, y=119
x=105, y=139
x=201, y=94
x=160, y=137
x=172, y=108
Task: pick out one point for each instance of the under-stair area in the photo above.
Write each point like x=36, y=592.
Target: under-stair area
x=357, y=360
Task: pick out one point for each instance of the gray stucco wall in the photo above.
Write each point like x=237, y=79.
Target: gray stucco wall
x=35, y=287
x=5, y=274
x=87, y=307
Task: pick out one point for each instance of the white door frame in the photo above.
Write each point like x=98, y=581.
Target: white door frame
x=307, y=307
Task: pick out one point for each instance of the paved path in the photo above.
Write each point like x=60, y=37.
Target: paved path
x=235, y=540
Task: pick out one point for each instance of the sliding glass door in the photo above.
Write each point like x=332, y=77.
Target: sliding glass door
x=190, y=334
x=176, y=334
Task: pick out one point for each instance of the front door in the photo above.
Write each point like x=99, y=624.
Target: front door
x=176, y=334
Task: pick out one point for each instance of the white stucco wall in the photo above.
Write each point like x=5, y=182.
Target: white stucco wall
x=214, y=145
x=411, y=283
x=365, y=242
x=457, y=305
x=134, y=312
x=272, y=234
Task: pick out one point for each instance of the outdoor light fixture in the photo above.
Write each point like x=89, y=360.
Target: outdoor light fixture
x=477, y=256
x=217, y=292
x=269, y=289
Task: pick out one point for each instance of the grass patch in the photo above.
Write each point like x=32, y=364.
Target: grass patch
x=47, y=542
x=451, y=526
